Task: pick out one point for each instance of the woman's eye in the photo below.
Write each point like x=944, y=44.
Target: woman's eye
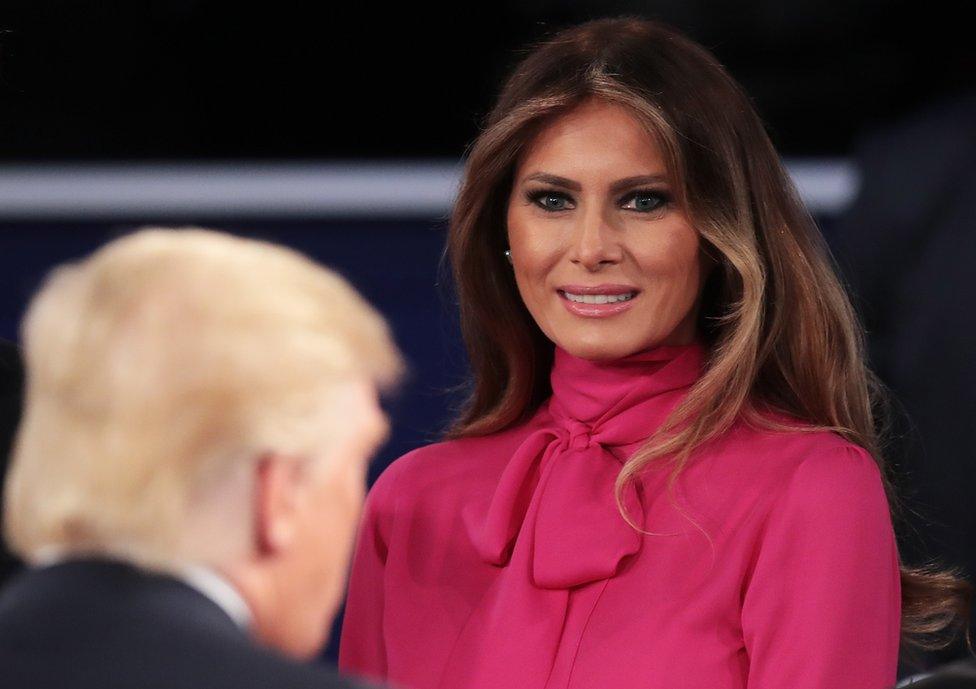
x=646, y=201
x=551, y=200
x=643, y=201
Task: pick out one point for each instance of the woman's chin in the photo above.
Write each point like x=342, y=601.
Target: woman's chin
x=599, y=349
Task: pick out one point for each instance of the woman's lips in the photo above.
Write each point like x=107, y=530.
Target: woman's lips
x=597, y=302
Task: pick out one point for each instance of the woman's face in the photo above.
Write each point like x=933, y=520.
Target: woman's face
x=605, y=261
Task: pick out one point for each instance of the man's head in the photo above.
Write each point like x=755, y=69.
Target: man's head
x=194, y=397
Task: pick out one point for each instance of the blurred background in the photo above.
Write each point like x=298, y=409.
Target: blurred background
x=340, y=131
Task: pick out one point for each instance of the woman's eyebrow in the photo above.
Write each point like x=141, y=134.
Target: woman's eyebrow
x=628, y=182
x=573, y=185
x=555, y=180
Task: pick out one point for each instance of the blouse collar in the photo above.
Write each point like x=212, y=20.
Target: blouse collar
x=596, y=392
x=553, y=510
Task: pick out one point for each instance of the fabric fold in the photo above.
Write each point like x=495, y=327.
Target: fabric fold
x=552, y=523
x=596, y=408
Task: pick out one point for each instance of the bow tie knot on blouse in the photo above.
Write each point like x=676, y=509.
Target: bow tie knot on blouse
x=554, y=506
x=580, y=436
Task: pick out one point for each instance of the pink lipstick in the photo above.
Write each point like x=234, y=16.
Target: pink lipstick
x=597, y=301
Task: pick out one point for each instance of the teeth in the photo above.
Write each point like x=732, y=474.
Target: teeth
x=598, y=298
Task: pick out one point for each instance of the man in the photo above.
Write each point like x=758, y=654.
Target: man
x=189, y=470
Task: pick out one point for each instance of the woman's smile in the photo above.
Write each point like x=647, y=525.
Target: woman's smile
x=599, y=301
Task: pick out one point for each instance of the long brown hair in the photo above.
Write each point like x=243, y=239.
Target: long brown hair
x=782, y=334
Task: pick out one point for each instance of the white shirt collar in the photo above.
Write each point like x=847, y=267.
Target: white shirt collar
x=219, y=590
x=201, y=578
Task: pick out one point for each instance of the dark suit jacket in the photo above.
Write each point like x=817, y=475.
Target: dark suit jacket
x=97, y=624
x=961, y=675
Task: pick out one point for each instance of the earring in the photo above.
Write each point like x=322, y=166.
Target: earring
x=508, y=255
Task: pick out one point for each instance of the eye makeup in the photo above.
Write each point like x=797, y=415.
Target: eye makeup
x=646, y=201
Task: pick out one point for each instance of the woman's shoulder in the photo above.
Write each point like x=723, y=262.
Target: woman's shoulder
x=455, y=463
x=817, y=493
x=798, y=457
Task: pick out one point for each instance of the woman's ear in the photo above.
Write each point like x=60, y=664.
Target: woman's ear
x=278, y=487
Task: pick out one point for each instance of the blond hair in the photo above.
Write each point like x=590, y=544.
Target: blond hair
x=160, y=364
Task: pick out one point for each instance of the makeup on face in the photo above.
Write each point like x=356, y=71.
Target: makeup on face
x=597, y=301
x=604, y=259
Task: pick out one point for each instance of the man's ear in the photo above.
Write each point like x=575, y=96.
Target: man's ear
x=277, y=502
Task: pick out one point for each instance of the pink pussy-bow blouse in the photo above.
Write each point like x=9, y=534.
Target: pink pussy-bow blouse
x=502, y=561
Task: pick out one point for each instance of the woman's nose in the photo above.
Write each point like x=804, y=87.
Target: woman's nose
x=595, y=242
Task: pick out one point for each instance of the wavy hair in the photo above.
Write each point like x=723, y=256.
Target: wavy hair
x=782, y=334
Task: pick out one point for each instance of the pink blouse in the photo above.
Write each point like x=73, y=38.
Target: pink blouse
x=502, y=562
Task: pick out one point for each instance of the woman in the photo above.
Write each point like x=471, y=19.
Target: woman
x=667, y=474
